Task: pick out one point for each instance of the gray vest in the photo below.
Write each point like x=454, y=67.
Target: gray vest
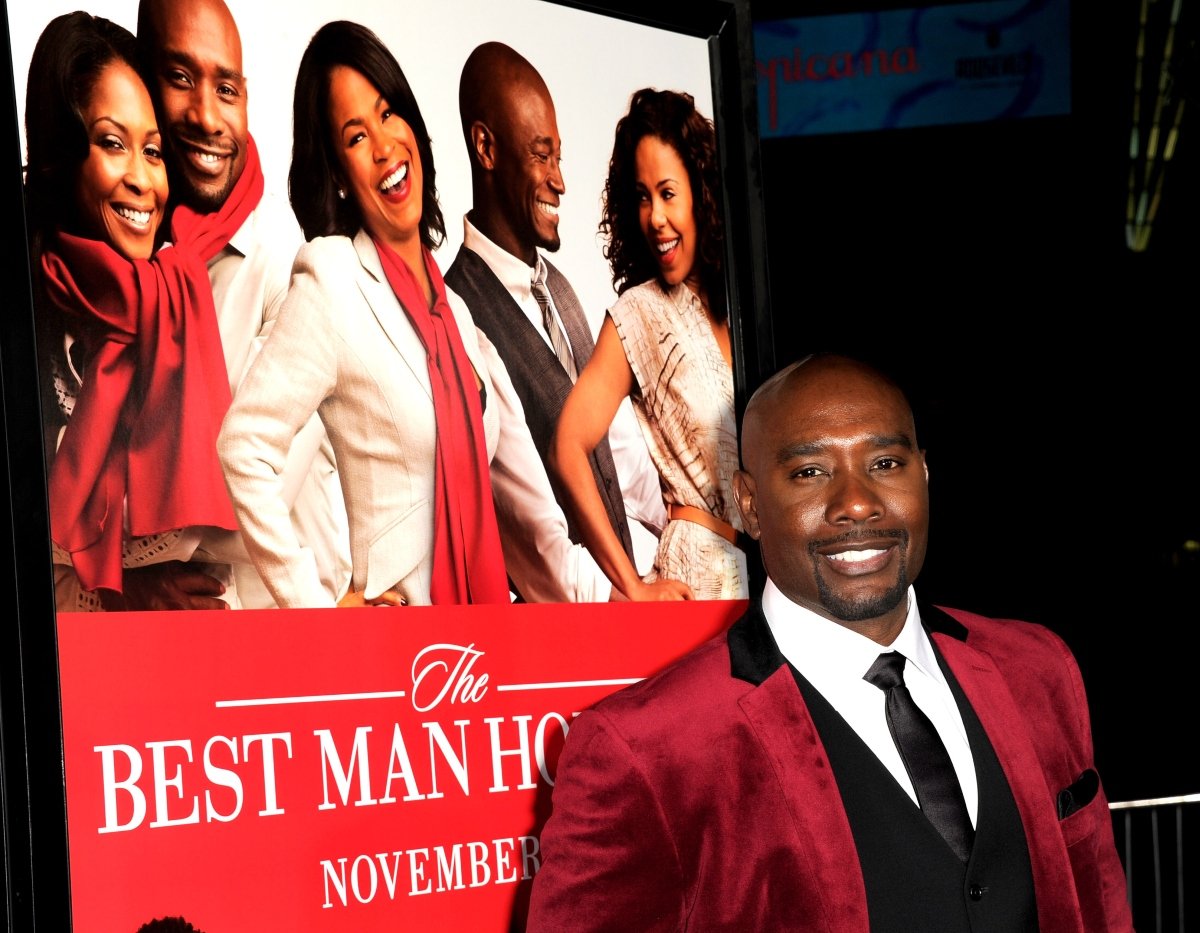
x=537, y=375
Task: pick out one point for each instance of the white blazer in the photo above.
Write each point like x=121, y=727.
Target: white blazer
x=344, y=348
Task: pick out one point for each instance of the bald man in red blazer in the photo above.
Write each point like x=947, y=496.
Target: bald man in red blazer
x=706, y=798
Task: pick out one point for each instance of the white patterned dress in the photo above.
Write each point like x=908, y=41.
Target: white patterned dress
x=683, y=397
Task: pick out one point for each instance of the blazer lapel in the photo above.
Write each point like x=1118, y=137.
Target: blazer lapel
x=832, y=882
x=388, y=311
x=1004, y=723
x=572, y=316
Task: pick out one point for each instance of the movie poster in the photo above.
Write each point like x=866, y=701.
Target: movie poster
x=352, y=769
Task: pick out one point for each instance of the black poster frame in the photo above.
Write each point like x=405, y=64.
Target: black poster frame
x=36, y=878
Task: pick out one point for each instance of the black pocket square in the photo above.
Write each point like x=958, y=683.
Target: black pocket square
x=1079, y=794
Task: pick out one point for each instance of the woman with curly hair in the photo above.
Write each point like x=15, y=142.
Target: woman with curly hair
x=665, y=343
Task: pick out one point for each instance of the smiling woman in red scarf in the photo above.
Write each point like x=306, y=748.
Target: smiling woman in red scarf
x=137, y=455
x=369, y=338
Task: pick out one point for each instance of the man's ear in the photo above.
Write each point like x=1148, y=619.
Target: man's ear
x=744, y=496
x=483, y=145
x=925, y=466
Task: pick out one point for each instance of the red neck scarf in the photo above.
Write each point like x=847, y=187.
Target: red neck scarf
x=468, y=564
x=143, y=432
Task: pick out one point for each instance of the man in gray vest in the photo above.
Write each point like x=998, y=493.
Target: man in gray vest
x=524, y=304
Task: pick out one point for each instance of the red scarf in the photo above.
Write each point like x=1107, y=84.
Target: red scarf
x=468, y=564
x=144, y=429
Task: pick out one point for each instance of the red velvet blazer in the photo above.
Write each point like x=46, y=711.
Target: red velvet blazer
x=702, y=799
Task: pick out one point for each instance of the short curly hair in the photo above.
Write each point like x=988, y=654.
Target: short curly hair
x=672, y=117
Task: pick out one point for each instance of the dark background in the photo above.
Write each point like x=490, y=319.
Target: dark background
x=1051, y=367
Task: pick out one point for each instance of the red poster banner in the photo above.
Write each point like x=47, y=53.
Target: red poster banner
x=336, y=770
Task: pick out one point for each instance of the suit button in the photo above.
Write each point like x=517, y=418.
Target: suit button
x=976, y=892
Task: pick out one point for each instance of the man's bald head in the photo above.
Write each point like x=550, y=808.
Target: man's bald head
x=193, y=52
x=492, y=75
x=831, y=371
x=152, y=14
x=511, y=132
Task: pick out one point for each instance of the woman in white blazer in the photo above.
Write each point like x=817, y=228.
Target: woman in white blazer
x=365, y=324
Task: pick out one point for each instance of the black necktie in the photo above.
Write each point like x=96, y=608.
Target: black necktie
x=925, y=757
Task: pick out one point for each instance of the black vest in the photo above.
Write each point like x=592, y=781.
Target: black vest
x=537, y=375
x=914, y=882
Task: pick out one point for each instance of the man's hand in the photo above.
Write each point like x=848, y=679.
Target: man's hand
x=169, y=585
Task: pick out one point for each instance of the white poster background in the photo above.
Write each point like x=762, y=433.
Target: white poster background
x=591, y=63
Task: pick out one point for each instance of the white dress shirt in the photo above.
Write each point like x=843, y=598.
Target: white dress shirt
x=538, y=552
x=641, y=489
x=834, y=658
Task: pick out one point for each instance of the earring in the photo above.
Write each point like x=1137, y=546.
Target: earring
x=342, y=193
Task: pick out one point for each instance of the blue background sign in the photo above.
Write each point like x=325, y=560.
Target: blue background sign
x=962, y=63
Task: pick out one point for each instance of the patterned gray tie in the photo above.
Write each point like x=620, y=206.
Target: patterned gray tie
x=558, y=340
